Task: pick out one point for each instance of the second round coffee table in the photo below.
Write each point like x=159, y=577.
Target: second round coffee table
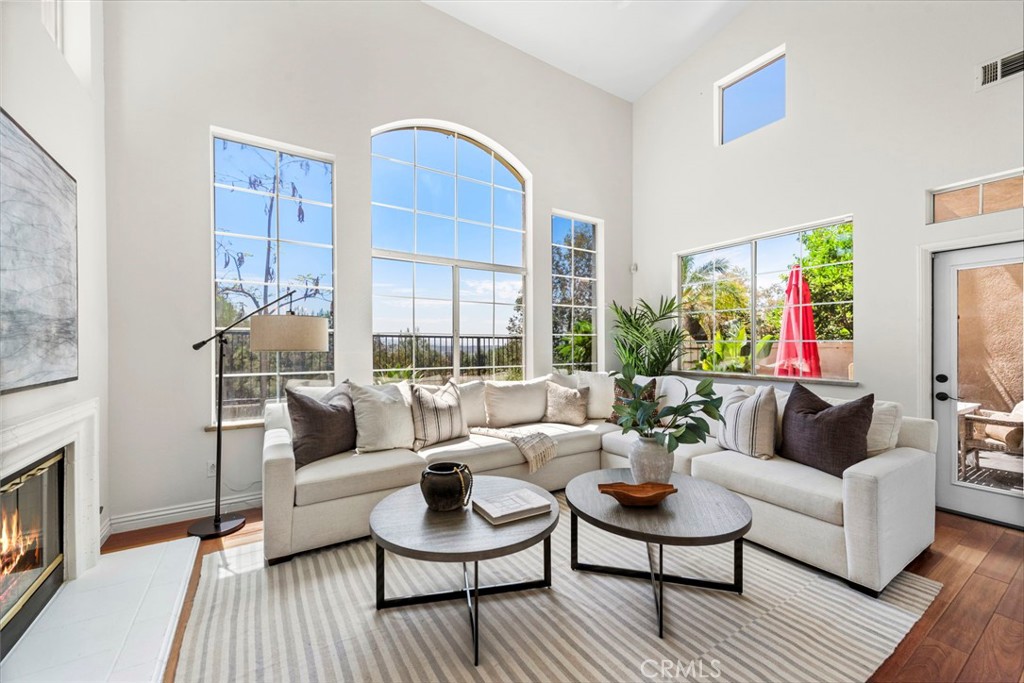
x=701, y=513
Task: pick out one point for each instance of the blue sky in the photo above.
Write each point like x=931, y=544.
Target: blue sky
x=755, y=101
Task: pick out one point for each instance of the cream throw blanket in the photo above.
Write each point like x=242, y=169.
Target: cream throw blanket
x=537, y=447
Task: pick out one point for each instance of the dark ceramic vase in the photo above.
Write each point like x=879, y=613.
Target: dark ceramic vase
x=446, y=486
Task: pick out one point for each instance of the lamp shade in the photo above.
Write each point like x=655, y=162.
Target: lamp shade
x=288, y=333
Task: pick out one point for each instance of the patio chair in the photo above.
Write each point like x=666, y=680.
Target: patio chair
x=993, y=431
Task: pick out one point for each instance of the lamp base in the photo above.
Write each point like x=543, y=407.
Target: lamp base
x=209, y=528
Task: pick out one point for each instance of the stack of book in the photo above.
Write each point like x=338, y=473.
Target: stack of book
x=508, y=507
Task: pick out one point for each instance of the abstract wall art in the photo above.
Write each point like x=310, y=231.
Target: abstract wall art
x=38, y=264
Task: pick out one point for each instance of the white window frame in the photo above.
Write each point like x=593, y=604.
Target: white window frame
x=599, y=284
x=752, y=241
x=216, y=133
x=736, y=76
x=980, y=182
x=456, y=263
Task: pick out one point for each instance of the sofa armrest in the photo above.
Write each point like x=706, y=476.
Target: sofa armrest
x=278, y=493
x=888, y=513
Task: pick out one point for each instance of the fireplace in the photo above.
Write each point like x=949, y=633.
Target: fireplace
x=31, y=544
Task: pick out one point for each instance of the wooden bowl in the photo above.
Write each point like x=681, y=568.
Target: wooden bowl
x=638, y=495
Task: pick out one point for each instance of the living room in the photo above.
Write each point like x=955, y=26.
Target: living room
x=752, y=209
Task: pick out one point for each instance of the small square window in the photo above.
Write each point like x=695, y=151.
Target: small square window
x=752, y=97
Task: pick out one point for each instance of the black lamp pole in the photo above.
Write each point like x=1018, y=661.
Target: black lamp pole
x=222, y=525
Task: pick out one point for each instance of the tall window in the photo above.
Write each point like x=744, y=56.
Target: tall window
x=273, y=227
x=793, y=317
x=573, y=294
x=752, y=97
x=448, y=253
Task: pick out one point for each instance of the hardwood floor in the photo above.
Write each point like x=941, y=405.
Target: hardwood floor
x=973, y=632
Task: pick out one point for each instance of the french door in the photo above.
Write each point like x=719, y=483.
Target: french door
x=978, y=345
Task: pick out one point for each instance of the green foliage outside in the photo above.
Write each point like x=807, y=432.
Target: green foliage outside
x=576, y=348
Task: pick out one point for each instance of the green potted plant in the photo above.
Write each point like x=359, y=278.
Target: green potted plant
x=648, y=339
x=661, y=430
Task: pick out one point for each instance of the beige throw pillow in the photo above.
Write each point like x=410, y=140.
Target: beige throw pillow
x=474, y=409
x=514, y=403
x=383, y=416
x=565, y=405
x=436, y=415
x=749, y=423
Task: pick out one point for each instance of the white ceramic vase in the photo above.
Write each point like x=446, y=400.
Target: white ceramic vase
x=650, y=462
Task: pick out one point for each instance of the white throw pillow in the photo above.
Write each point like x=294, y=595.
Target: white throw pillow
x=383, y=416
x=749, y=423
x=564, y=380
x=474, y=408
x=436, y=415
x=602, y=393
x=674, y=387
x=513, y=403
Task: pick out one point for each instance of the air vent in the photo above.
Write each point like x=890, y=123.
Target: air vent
x=998, y=70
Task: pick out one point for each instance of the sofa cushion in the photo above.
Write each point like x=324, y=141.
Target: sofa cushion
x=436, y=415
x=778, y=481
x=619, y=444
x=481, y=453
x=602, y=393
x=672, y=389
x=383, y=416
x=321, y=428
x=570, y=439
x=566, y=405
x=749, y=425
x=514, y=403
x=825, y=436
x=471, y=394
x=349, y=474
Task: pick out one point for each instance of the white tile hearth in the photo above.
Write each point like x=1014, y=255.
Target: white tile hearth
x=114, y=623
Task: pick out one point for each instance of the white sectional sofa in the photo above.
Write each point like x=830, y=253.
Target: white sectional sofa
x=864, y=527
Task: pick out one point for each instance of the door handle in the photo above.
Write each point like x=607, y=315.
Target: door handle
x=943, y=396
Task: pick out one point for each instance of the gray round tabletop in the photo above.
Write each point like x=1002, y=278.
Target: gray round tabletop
x=402, y=524
x=700, y=513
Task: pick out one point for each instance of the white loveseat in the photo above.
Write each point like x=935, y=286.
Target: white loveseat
x=864, y=527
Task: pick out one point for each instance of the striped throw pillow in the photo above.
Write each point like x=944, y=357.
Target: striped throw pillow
x=749, y=423
x=436, y=415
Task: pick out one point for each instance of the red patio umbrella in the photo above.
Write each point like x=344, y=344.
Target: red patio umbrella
x=798, y=345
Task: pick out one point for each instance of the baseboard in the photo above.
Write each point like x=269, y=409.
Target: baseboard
x=104, y=530
x=180, y=513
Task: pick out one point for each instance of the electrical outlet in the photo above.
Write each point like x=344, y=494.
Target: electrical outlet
x=211, y=469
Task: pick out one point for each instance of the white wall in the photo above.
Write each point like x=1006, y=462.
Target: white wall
x=880, y=107
x=318, y=75
x=61, y=106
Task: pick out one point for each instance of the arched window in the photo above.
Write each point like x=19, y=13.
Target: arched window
x=448, y=225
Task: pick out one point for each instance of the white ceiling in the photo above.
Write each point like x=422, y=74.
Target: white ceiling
x=621, y=46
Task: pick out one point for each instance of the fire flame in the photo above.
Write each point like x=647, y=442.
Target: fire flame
x=14, y=544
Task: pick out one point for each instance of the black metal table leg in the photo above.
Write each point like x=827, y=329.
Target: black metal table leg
x=470, y=593
x=658, y=578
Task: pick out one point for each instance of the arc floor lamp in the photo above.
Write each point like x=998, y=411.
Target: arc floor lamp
x=287, y=332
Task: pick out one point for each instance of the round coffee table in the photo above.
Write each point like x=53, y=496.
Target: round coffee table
x=701, y=513
x=402, y=524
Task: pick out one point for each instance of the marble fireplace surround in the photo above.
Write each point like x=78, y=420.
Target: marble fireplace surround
x=76, y=429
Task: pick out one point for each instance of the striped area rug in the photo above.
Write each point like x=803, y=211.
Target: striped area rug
x=313, y=619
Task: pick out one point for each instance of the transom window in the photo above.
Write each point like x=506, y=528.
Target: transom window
x=751, y=97
x=573, y=294
x=273, y=228
x=781, y=305
x=448, y=234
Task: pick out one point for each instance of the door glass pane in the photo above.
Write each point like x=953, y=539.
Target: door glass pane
x=989, y=377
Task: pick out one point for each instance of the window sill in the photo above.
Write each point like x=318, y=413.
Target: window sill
x=240, y=424
x=768, y=378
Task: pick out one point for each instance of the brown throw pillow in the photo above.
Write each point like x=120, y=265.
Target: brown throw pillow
x=648, y=394
x=823, y=436
x=321, y=428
